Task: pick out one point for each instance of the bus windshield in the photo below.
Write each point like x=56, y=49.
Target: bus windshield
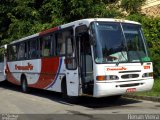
x=118, y=42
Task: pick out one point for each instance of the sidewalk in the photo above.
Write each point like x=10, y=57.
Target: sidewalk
x=149, y=98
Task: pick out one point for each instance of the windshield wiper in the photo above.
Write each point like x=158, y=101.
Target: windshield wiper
x=117, y=63
x=124, y=47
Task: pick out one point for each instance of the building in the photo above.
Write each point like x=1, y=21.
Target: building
x=151, y=8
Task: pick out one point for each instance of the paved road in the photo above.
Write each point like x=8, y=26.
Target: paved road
x=13, y=101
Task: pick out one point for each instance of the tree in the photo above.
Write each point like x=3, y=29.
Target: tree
x=19, y=18
x=23, y=17
x=79, y=9
x=132, y=6
x=151, y=28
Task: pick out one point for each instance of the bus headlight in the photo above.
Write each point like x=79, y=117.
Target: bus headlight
x=107, y=77
x=150, y=74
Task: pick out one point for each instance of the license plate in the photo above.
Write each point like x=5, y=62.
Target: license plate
x=131, y=90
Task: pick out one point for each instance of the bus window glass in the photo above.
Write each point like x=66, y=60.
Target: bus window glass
x=13, y=52
x=33, y=51
x=45, y=46
x=71, y=63
x=2, y=51
x=60, y=48
x=135, y=43
x=116, y=42
x=26, y=53
x=1, y=56
x=21, y=51
x=69, y=46
x=60, y=39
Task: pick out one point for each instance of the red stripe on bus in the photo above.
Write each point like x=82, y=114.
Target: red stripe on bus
x=11, y=78
x=48, y=31
x=48, y=72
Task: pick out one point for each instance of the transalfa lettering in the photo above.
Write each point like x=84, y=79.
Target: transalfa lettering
x=28, y=67
x=113, y=69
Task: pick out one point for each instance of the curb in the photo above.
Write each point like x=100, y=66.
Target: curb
x=149, y=98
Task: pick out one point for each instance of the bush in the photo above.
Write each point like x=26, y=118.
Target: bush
x=151, y=28
x=132, y=6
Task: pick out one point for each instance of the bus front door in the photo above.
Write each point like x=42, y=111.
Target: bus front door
x=86, y=64
x=72, y=76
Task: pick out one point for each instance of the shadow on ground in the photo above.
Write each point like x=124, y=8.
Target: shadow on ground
x=95, y=103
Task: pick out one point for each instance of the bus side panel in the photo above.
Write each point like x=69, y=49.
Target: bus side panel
x=2, y=73
x=11, y=73
x=30, y=68
x=60, y=74
x=40, y=73
x=47, y=75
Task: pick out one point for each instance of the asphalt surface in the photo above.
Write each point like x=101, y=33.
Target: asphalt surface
x=41, y=104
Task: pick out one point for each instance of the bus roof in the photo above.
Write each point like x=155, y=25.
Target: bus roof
x=4, y=46
x=75, y=23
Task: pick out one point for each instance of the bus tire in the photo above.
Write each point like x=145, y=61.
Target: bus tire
x=64, y=88
x=24, y=84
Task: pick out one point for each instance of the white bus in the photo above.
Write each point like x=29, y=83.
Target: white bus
x=2, y=62
x=96, y=57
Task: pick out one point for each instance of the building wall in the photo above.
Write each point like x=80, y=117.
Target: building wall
x=151, y=8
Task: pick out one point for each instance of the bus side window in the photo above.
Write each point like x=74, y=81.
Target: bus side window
x=25, y=52
x=45, y=46
x=59, y=42
x=21, y=51
x=13, y=52
x=69, y=46
x=68, y=35
x=53, y=44
x=33, y=52
x=2, y=54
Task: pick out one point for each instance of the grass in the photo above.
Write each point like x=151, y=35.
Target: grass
x=154, y=92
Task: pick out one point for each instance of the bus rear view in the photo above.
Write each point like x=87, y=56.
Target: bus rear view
x=121, y=61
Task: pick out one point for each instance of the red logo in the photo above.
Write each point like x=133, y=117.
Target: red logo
x=28, y=67
x=146, y=67
x=113, y=69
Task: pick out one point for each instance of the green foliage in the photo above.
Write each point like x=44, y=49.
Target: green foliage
x=19, y=18
x=79, y=9
x=151, y=28
x=132, y=6
x=154, y=92
x=23, y=17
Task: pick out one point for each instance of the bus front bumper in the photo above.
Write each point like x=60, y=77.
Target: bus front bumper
x=104, y=89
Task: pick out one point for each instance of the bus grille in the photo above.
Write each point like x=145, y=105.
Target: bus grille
x=130, y=76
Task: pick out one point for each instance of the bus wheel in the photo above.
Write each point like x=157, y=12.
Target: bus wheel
x=24, y=85
x=64, y=89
